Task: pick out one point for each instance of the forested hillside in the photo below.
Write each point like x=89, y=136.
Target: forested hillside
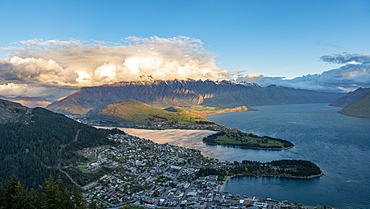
x=45, y=143
x=54, y=194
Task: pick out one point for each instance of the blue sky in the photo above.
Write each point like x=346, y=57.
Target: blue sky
x=284, y=38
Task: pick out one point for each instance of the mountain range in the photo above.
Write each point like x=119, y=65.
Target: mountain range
x=223, y=94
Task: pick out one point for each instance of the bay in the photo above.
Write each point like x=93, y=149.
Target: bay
x=338, y=144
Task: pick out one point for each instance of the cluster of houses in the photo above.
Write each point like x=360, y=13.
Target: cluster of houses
x=150, y=175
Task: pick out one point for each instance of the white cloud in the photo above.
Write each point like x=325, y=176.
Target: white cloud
x=49, y=43
x=344, y=79
x=54, y=68
x=55, y=63
x=13, y=90
x=78, y=64
x=346, y=58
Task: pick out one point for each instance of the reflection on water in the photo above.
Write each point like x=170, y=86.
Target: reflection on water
x=175, y=137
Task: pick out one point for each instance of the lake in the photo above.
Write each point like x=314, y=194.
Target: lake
x=338, y=144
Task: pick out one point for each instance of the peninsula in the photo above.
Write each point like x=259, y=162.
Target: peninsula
x=134, y=114
x=240, y=139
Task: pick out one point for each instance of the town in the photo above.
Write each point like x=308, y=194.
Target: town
x=150, y=175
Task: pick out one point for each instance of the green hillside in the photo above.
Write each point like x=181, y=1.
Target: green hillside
x=133, y=113
x=200, y=110
x=137, y=113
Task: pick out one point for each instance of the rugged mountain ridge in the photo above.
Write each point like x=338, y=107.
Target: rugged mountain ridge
x=359, y=108
x=89, y=100
x=11, y=112
x=350, y=97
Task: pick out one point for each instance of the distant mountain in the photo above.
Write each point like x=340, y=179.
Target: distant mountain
x=359, y=108
x=27, y=101
x=350, y=97
x=89, y=100
x=35, y=142
x=11, y=112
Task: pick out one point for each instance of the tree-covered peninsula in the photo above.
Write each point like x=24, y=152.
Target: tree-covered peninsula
x=301, y=169
x=235, y=138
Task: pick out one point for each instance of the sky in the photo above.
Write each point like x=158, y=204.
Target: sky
x=48, y=49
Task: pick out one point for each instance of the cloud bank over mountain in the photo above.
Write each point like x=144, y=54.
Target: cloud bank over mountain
x=50, y=69
x=354, y=73
x=38, y=68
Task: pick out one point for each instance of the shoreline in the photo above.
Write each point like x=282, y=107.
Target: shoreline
x=221, y=188
x=195, y=130
x=257, y=148
x=160, y=139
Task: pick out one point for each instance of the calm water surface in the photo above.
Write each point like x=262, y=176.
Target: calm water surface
x=338, y=144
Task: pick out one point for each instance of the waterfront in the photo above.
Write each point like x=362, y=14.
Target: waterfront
x=338, y=144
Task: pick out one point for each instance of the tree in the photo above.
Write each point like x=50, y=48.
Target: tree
x=55, y=194
x=15, y=196
x=77, y=199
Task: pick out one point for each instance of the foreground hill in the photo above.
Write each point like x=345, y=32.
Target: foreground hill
x=350, y=97
x=89, y=100
x=36, y=142
x=359, y=108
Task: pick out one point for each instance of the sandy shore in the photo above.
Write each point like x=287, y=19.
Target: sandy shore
x=222, y=187
x=171, y=136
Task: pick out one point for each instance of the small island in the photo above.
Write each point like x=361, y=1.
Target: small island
x=236, y=138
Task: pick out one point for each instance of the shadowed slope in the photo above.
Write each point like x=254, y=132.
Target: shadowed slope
x=359, y=108
x=223, y=94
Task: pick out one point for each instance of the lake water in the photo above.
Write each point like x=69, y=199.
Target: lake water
x=339, y=145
